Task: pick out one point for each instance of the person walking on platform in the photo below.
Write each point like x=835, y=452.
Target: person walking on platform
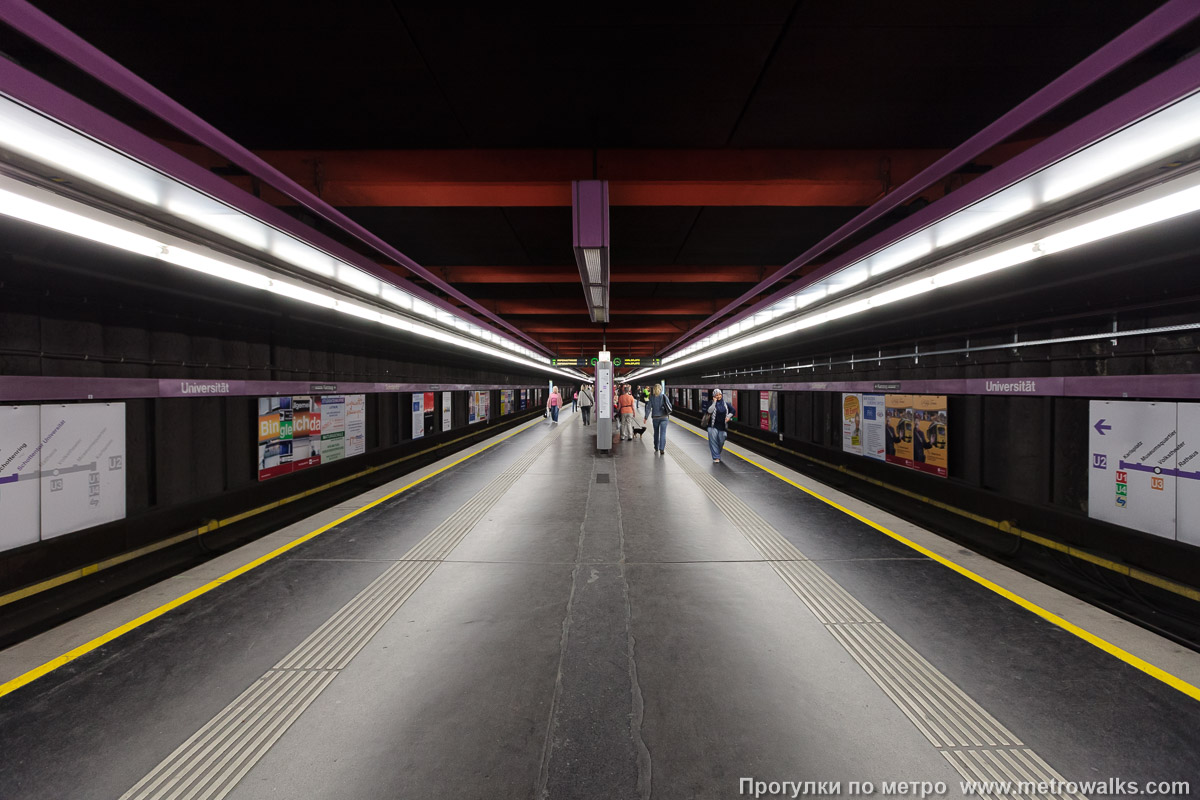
x=719, y=413
x=625, y=410
x=575, y=402
x=553, y=403
x=658, y=409
x=586, y=401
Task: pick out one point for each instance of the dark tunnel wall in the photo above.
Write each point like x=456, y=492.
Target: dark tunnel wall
x=67, y=310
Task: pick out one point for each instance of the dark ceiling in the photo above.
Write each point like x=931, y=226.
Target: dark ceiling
x=679, y=95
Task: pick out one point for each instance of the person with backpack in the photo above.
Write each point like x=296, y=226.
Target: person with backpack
x=586, y=401
x=658, y=409
x=717, y=416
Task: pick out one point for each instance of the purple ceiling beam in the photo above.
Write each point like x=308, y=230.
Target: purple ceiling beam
x=589, y=236
x=40, y=95
x=47, y=32
x=1157, y=26
x=1162, y=90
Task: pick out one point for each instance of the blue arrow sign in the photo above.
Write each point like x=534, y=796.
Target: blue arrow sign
x=1101, y=427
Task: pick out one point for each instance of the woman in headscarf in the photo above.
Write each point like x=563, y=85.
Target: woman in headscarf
x=718, y=426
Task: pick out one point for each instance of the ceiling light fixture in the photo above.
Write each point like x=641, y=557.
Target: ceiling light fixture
x=65, y=153
x=46, y=209
x=1172, y=130
x=1159, y=203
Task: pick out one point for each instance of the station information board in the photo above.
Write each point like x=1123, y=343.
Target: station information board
x=616, y=362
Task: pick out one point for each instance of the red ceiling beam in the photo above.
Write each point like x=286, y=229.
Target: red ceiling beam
x=498, y=178
x=621, y=306
x=570, y=274
x=663, y=328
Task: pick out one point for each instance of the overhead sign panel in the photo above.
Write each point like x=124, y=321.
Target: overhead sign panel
x=616, y=362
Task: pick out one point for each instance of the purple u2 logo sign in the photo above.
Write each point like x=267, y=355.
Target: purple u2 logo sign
x=1099, y=461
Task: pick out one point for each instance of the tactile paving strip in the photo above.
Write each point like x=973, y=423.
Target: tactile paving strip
x=209, y=765
x=978, y=746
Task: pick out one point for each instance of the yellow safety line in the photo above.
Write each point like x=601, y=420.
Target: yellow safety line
x=1005, y=526
x=82, y=572
x=1092, y=639
x=105, y=638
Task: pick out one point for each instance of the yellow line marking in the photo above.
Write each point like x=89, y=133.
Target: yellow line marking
x=209, y=527
x=1005, y=526
x=105, y=638
x=1092, y=639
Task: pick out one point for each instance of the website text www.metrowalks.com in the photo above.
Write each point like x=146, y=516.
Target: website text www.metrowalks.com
x=1111, y=787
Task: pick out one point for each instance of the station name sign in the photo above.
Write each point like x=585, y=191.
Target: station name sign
x=184, y=388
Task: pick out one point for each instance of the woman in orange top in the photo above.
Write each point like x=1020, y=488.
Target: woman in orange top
x=625, y=408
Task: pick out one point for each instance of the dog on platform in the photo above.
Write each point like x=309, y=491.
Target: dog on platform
x=637, y=432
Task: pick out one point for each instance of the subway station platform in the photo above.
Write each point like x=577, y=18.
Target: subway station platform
x=533, y=619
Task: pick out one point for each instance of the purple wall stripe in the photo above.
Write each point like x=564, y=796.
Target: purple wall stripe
x=1181, y=387
x=22, y=389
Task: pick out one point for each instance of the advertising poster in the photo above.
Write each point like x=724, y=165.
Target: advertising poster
x=930, y=427
x=898, y=436
x=484, y=404
x=504, y=403
x=852, y=427
x=356, y=424
x=1134, y=453
x=764, y=411
x=873, y=426
x=447, y=405
x=472, y=412
x=333, y=428
x=306, y=432
x=524, y=399
x=773, y=412
x=274, y=437
x=20, y=465
x=429, y=406
x=82, y=466
x=1187, y=474
x=418, y=415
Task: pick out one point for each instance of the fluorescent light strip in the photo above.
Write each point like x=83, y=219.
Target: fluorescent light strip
x=1172, y=130
x=66, y=216
x=591, y=258
x=1161, y=203
x=26, y=132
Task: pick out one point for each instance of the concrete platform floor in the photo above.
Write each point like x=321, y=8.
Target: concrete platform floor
x=545, y=621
